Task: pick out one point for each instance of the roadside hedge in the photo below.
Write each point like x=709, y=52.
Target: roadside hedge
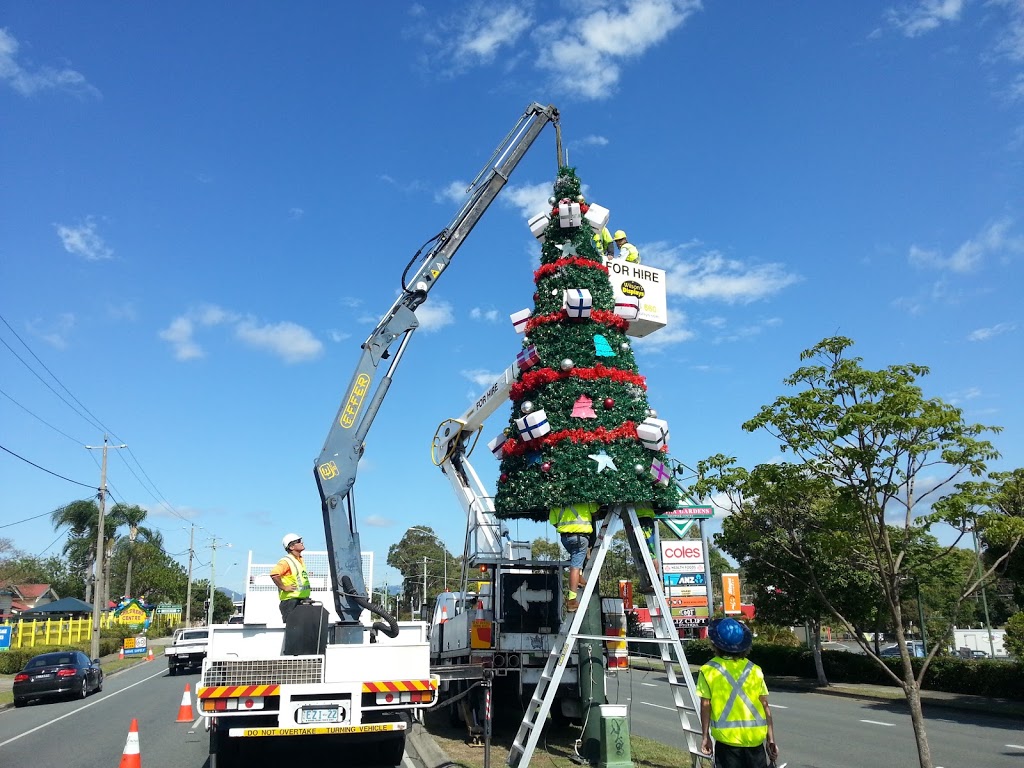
x=15, y=659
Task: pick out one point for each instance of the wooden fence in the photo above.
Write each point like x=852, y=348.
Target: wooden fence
x=28, y=633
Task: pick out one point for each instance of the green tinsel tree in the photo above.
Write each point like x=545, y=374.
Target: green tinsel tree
x=580, y=360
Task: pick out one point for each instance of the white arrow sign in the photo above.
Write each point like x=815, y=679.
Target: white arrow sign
x=525, y=596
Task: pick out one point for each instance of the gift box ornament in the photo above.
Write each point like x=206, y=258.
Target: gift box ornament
x=577, y=302
x=527, y=358
x=533, y=425
x=597, y=215
x=627, y=307
x=497, y=446
x=569, y=214
x=661, y=474
x=519, y=320
x=539, y=223
x=653, y=433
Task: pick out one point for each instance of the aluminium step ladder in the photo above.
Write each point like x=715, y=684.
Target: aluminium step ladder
x=684, y=692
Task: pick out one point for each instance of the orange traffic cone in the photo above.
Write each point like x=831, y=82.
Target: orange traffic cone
x=444, y=613
x=185, y=710
x=149, y=655
x=131, y=757
x=120, y=653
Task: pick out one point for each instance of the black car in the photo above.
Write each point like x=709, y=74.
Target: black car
x=62, y=673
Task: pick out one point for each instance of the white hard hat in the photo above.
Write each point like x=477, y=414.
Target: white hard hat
x=288, y=539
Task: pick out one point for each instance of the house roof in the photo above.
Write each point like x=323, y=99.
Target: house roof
x=28, y=591
x=64, y=605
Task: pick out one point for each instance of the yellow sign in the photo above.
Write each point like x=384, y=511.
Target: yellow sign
x=355, y=401
x=261, y=732
x=132, y=615
x=328, y=470
x=731, y=593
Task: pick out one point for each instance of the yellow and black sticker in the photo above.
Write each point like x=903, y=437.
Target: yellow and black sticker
x=337, y=730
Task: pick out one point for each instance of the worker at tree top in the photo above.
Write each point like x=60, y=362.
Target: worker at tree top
x=290, y=575
x=627, y=250
x=574, y=525
x=603, y=243
x=734, y=701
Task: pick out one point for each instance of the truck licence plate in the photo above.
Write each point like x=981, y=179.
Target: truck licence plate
x=318, y=715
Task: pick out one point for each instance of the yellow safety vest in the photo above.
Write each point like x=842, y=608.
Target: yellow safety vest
x=735, y=687
x=630, y=253
x=299, y=577
x=576, y=518
x=603, y=242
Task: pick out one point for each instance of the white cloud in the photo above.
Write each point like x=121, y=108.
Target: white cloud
x=435, y=315
x=1011, y=41
x=54, y=333
x=583, y=54
x=676, y=332
x=481, y=377
x=530, y=199
x=377, y=521
x=487, y=29
x=971, y=393
x=84, y=241
x=490, y=315
x=289, y=341
x=994, y=240
x=296, y=213
x=337, y=336
x=984, y=334
x=924, y=16
x=592, y=140
x=28, y=80
x=709, y=275
x=455, y=192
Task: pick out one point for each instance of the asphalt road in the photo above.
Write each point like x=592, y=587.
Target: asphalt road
x=92, y=733
x=816, y=730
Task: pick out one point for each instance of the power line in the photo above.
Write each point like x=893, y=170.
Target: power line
x=84, y=485
x=27, y=519
x=26, y=410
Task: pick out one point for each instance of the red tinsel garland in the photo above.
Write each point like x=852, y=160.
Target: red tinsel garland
x=513, y=447
x=599, y=316
x=531, y=380
x=573, y=261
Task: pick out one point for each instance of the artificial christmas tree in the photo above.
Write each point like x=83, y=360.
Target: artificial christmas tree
x=559, y=449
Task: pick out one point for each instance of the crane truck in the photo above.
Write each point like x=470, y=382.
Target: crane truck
x=363, y=681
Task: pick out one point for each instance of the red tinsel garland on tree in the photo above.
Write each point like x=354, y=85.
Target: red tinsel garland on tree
x=513, y=447
x=538, y=378
x=573, y=261
x=601, y=316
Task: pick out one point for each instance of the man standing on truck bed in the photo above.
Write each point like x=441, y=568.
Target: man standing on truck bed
x=290, y=575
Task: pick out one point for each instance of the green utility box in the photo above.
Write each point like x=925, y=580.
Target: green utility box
x=615, y=751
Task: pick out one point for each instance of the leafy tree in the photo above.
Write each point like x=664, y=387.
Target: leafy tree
x=132, y=516
x=420, y=556
x=542, y=549
x=82, y=517
x=156, y=575
x=1015, y=635
x=876, y=437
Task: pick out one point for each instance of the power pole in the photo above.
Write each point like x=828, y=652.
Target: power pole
x=188, y=591
x=213, y=578
x=424, y=585
x=97, y=592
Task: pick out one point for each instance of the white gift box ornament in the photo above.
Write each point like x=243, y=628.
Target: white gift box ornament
x=597, y=215
x=569, y=214
x=539, y=223
x=497, y=445
x=660, y=473
x=653, y=433
x=627, y=307
x=577, y=302
x=533, y=425
x=519, y=319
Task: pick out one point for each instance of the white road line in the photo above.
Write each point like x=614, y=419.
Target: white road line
x=1014, y=746
x=877, y=722
x=648, y=704
x=650, y=685
x=75, y=712
x=776, y=706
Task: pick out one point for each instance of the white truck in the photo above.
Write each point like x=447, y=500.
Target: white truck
x=976, y=641
x=365, y=682
x=187, y=649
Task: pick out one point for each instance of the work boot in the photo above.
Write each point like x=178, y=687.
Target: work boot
x=572, y=605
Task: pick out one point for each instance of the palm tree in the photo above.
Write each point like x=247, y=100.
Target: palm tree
x=131, y=516
x=83, y=517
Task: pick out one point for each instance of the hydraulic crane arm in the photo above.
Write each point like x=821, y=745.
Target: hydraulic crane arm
x=335, y=469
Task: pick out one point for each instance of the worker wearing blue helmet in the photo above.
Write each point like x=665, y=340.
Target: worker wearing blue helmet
x=734, y=702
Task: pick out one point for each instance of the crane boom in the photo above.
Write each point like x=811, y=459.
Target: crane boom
x=335, y=469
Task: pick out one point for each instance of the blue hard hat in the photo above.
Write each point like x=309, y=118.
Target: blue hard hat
x=730, y=635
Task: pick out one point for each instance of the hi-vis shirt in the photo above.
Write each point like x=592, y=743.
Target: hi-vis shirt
x=294, y=574
x=735, y=687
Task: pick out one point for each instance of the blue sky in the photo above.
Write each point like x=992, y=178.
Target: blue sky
x=207, y=207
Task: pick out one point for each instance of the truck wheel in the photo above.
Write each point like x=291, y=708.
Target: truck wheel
x=223, y=750
x=171, y=670
x=391, y=751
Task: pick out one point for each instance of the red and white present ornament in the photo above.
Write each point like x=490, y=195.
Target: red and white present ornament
x=539, y=223
x=533, y=425
x=653, y=433
x=519, y=319
x=627, y=307
x=577, y=302
x=569, y=214
x=597, y=215
x=528, y=358
x=661, y=474
x=497, y=446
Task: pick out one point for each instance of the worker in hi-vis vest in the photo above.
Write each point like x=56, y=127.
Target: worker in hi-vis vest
x=574, y=525
x=290, y=575
x=734, y=702
x=627, y=250
x=604, y=243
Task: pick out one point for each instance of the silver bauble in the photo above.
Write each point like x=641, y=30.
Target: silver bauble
x=551, y=201
x=566, y=364
x=526, y=407
x=652, y=413
x=624, y=346
x=639, y=468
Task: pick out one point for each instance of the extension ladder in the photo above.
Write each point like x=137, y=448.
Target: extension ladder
x=684, y=692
